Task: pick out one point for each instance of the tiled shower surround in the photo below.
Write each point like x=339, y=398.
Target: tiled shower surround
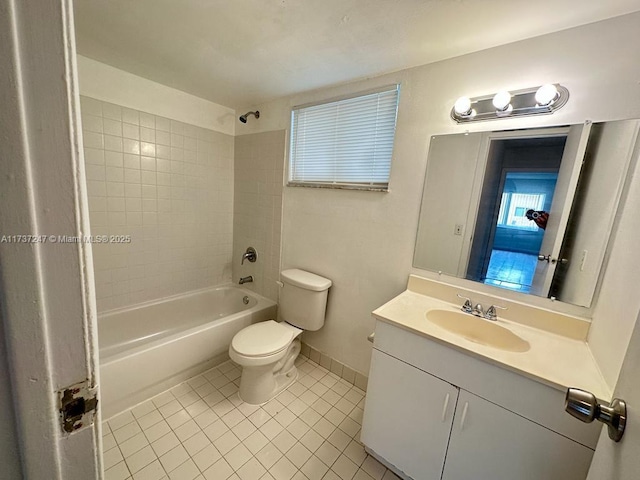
x=257, y=222
x=167, y=185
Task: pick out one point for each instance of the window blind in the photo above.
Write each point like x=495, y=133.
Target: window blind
x=346, y=143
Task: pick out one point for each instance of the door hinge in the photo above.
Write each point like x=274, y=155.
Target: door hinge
x=78, y=406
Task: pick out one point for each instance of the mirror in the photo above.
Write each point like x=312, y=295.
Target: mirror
x=528, y=210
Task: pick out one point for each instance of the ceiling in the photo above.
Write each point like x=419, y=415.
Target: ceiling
x=244, y=52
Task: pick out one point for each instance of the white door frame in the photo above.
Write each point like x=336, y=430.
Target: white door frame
x=46, y=289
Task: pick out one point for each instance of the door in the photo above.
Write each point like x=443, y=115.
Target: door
x=408, y=416
x=490, y=442
x=46, y=285
x=568, y=176
x=620, y=461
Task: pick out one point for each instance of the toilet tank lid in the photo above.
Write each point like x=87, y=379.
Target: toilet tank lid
x=304, y=279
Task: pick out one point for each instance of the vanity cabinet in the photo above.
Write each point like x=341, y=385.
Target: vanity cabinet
x=488, y=441
x=417, y=442
x=435, y=413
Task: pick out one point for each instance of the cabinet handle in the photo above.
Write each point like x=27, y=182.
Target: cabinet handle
x=464, y=415
x=445, y=406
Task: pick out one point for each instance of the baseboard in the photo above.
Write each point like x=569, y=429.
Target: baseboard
x=343, y=371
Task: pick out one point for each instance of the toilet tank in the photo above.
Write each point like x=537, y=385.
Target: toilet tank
x=303, y=299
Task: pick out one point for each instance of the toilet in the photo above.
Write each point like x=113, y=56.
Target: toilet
x=266, y=351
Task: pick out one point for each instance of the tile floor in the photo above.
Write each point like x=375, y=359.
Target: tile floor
x=511, y=270
x=200, y=429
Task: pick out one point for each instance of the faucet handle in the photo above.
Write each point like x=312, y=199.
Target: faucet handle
x=250, y=255
x=466, y=307
x=491, y=312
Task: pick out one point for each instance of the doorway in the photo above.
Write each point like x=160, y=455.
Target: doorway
x=525, y=201
x=517, y=193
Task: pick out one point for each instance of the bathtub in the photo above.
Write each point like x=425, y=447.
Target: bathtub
x=151, y=347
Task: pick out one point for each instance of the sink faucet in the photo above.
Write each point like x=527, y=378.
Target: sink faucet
x=478, y=310
x=244, y=280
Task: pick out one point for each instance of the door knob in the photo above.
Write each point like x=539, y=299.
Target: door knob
x=547, y=258
x=585, y=407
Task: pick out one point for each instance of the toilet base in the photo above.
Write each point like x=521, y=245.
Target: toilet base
x=260, y=384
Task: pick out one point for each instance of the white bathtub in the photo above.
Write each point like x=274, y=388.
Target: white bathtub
x=150, y=347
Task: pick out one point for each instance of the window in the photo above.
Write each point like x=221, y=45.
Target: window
x=346, y=143
x=514, y=206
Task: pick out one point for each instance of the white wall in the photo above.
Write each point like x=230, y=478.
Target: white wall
x=620, y=461
x=615, y=314
x=363, y=241
x=107, y=83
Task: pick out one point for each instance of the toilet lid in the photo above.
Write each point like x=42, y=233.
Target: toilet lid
x=261, y=339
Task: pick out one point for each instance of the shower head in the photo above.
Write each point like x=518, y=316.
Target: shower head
x=243, y=118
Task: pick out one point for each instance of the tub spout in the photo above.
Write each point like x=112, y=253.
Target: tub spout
x=248, y=279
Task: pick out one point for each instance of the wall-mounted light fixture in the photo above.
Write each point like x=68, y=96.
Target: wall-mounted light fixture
x=530, y=101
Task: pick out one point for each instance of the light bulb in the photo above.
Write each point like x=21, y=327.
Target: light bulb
x=546, y=94
x=462, y=106
x=501, y=100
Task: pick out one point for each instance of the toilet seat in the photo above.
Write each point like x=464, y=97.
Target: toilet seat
x=264, y=339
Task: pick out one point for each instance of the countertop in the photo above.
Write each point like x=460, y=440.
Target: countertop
x=554, y=360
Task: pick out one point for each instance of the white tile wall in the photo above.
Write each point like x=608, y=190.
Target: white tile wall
x=259, y=164
x=169, y=186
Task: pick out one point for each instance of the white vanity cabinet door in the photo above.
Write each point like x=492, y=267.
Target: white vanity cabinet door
x=408, y=416
x=489, y=442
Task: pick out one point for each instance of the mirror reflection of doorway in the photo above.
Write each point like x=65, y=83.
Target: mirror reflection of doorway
x=520, y=178
x=526, y=197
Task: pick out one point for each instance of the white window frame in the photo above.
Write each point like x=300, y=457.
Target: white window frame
x=338, y=184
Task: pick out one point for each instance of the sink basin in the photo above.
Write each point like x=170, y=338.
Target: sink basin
x=478, y=330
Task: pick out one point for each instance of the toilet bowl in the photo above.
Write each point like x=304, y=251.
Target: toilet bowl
x=267, y=351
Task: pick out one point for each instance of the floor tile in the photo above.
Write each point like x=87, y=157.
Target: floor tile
x=108, y=442
x=121, y=420
x=206, y=457
x=284, y=441
x=344, y=467
x=218, y=471
x=201, y=430
x=251, y=470
x=374, y=468
x=314, y=468
x=166, y=443
x=112, y=457
x=269, y=455
x=226, y=442
x=157, y=431
x=187, y=430
x=298, y=455
x=153, y=471
x=238, y=456
x=283, y=469
x=187, y=471
x=134, y=444
x=196, y=443
x=140, y=459
x=118, y=472
x=174, y=458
